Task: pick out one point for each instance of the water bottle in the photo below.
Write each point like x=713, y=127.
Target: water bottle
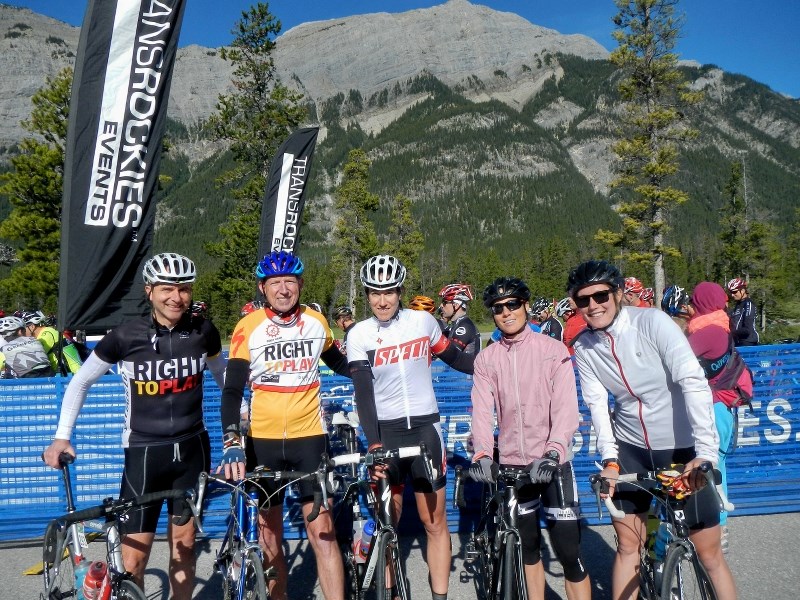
x=358, y=528
x=80, y=574
x=663, y=538
x=366, y=538
x=652, y=528
x=94, y=580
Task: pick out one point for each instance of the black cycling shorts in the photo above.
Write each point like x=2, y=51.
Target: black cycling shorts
x=297, y=454
x=701, y=509
x=162, y=467
x=396, y=435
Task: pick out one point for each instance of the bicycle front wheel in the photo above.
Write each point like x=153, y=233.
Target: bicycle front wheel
x=253, y=580
x=685, y=578
x=483, y=565
x=58, y=564
x=513, y=571
x=128, y=590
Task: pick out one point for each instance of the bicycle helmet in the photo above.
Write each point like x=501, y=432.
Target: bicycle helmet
x=592, y=272
x=422, y=303
x=735, y=284
x=280, y=263
x=315, y=306
x=456, y=292
x=168, y=267
x=540, y=305
x=382, y=272
x=647, y=294
x=34, y=317
x=674, y=301
x=342, y=311
x=251, y=307
x=9, y=325
x=198, y=308
x=505, y=287
x=633, y=286
x=563, y=307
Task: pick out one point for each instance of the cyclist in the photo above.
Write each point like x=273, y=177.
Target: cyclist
x=343, y=317
x=549, y=323
x=522, y=375
x=23, y=355
x=459, y=328
x=390, y=360
x=276, y=351
x=663, y=415
x=632, y=295
x=162, y=358
x=743, y=315
x=36, y=326
x=675, y=302
x=648, y=295
x=573, y=322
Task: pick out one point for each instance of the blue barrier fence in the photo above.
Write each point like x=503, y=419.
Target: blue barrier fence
x=763, y=471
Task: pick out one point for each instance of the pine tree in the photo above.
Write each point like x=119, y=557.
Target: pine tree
x=654, y=125
x=34, y=188
x=255, y=119
x=405, y=242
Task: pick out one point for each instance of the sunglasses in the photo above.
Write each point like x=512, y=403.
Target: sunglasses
x=513, y=304
x=598, y=297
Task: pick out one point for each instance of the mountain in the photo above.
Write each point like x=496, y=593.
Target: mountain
x=498, y=130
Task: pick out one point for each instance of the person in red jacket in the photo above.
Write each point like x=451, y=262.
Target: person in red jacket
x=573, y=322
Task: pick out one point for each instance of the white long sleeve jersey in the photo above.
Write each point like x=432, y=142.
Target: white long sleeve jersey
x=662, y=398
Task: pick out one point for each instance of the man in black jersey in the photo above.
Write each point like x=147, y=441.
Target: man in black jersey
x=459, y=328
x=162, y=358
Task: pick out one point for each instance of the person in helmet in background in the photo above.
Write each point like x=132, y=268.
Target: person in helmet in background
x=22, y=355
x=632, y=294
x=743, y=314
x=663, y=415
x=390, y=357
x=459, y=328
x=427, y=304
x=675, y=302
x=343, y=318
x=573, y=322
x=648, y=297
x=542, y=444
x=162, y=358
x=542, y=309
x=251, y=306
x=66, y=361
x=276, y=352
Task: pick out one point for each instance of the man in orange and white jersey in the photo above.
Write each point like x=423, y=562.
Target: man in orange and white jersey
x=276, y=350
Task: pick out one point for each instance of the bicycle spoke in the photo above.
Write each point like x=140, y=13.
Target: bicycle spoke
x=684, y=576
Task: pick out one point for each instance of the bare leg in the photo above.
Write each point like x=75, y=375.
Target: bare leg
x=534, y=578
x=135, y=554
x=322, y=537
x=431, y=509
x=182, y=560
x=630, y=532
x=271, y=538
x=709, y=549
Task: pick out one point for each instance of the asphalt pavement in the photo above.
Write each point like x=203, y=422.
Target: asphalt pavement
x=763, y=556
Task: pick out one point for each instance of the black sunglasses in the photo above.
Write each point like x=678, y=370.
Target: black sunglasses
x=598, y=297
x=513, y=304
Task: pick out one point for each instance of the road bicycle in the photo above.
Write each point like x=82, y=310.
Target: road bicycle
x=381, y=573
x=494, y=552
x=66, y=539
x=240, y=559
x=680, y=575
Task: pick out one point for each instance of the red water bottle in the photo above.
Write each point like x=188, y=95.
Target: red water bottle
x=94, y=580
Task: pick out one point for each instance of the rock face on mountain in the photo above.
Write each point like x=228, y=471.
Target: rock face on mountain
x=485, y=52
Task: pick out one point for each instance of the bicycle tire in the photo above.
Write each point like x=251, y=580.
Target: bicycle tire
x=379, y=578
x=685, y=578
x=254, y=582
x=483, y=566
x=128, y=590
x=512, y=570
x=400, y=579
x=58, y=566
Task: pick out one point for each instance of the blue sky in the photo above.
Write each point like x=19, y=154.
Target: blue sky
x=758, y=38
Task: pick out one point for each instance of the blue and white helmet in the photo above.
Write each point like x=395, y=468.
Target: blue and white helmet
x=280, y=263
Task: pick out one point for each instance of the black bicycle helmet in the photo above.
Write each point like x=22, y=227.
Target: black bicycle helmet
x=342, y=311
x=505, y=287
x=592, y=272
x=674, y=301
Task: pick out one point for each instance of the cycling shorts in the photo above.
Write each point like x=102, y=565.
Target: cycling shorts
x=159, y=467
x=295, y=454
x=700, y=510
x=531, y=495
x=396, y=434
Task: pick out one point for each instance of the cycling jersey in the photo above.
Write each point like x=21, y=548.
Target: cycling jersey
x=572, y=327
x=529, y=383
x=162, y=371
x=463, y=333
x=49, y=340
x=743, y=323
x=553, y=328
x=399, y=352
x=282, y=358
x=26, y=357
x=662, y=397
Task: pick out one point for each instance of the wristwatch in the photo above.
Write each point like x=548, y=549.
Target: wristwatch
x=606, y=462
x=552, y=455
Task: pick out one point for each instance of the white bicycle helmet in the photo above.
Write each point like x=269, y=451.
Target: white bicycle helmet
x=34, y=317
x=10, y=325
x=169, y=268
x=382, y=272
x=563, y=307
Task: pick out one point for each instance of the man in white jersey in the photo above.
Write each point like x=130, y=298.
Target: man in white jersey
x=390, y=358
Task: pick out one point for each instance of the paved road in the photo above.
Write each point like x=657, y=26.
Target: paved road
x=764, y=557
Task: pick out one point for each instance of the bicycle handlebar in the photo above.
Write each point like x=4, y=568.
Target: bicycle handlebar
x=600, y=484
x=115, y=507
